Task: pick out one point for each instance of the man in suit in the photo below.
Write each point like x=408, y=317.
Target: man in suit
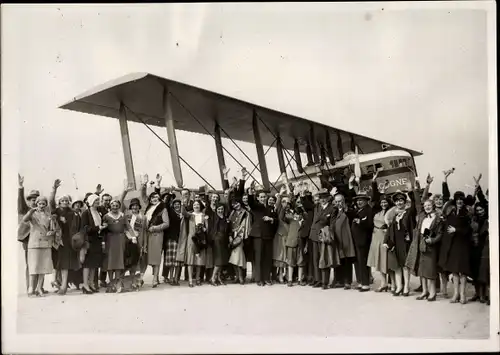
x=362, y=229
x=265, y=221
x=323, y=212
x=104, y=209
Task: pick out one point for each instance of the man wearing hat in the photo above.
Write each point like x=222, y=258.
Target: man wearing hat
x=23, y=232
x=362, y=230
x=323, y=213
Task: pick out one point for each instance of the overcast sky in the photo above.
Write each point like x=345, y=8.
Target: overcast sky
x=417, y=78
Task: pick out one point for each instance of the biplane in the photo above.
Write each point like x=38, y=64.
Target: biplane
x=156, y=101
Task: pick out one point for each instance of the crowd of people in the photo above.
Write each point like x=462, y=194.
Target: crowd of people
x=293, y=237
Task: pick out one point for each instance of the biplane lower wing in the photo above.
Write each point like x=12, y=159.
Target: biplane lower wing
x=197, y=110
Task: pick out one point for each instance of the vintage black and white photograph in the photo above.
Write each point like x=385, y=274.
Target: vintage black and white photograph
x=275, y=177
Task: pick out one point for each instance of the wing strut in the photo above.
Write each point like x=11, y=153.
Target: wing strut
x=127, y=150
x=298, y=159
x=270, y=131
x=172, y=138
x=267, y=151
x=208, y=132
x=168, y=146
x=279, y=151
x=312, y=140
x=309, y=154
x=220, y=156
x=329, y=149
x=260, y=152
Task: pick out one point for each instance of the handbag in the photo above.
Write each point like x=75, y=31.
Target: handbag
x=78, y=241
x=235, y=242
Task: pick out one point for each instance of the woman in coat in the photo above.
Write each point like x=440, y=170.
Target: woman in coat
x=66, y=257
x=188, y=253
x=480, y=260
x=398, y=240
x=156, y=223
x=377, y=256
x=91, y=227
x=220, y=230
x=44, y=234
x=135, y=258
x=454, y=255
x=240, y=222
x=423, y=254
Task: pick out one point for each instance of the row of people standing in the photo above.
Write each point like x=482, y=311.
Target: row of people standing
x=433, y=240
x=310, y=233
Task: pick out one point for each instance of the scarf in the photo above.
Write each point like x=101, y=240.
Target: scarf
x=399, y=216
x=95, y=216
x=132, y=222
x=150, y=211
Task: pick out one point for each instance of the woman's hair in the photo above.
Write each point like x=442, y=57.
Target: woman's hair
x=430, y=200
x=153, y=194
x=40, y=199
x=116, y=201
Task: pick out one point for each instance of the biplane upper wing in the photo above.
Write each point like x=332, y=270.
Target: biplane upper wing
x=196, y=110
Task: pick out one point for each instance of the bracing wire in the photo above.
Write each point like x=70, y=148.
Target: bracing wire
x=208, y=132
x=161, y=139
x=288, y=153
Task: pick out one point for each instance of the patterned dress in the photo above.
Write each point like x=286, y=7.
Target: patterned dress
x=240, y=227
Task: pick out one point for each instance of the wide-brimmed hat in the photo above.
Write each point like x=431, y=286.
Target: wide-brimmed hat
x=399, y=195
x=33, y=194
x=135, y=201
x=362, y=196
x=322, y=192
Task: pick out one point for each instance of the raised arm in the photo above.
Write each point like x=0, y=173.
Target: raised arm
x=144, y=186
x=52, y=199
x=375, y=191
x=22, y=206
x=478, y=191
x=425, y=194
x=27, y=216
x=446, y=189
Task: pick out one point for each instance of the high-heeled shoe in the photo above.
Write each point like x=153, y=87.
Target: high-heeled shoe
x=397, y=293
x=87, y=292
x=191, y=284
x=93, y=289
x=62, y=291
x=198, y=282
x=382, y=289
x=423, y=297
x=406, y=294
x=38, y=293
x=155, y=284
x=431, y=299
x=213, y=283
x=463, y=301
